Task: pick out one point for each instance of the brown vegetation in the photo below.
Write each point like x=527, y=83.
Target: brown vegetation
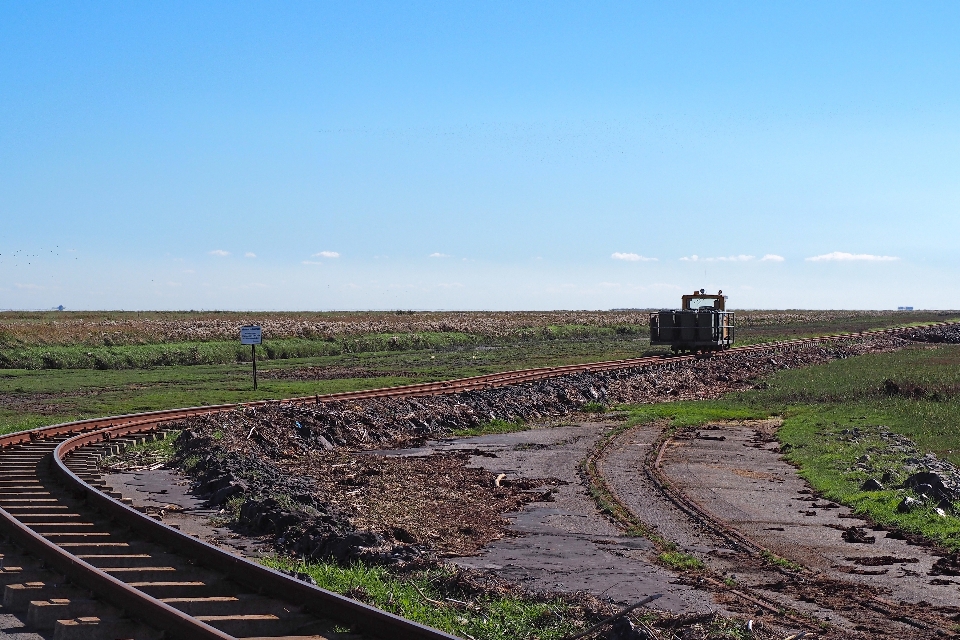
x=120, y=328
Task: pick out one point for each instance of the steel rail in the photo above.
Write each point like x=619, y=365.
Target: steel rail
x=76, y=435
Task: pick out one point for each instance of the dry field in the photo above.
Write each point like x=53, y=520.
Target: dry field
x=133, y=328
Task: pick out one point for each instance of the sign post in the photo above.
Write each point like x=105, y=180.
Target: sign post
x=251, y=335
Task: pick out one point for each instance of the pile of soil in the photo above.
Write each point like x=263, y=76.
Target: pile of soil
x=345, y=506
x=947, y=566
x=949, y=334
x=435, y=501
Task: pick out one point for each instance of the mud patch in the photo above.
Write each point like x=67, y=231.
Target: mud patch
x=332, y=373
x=37, y=403
x=347, y=505
x=437, y=501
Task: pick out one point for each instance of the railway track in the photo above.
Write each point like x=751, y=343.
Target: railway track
x=83, y=565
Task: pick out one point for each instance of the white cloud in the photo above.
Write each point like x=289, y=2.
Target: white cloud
x=696, y=258
x=840, y=256
x=631, y=257
x=438, y=255
x=220, y=253
x=326, y=254
x=249, y=254
x=772, y=257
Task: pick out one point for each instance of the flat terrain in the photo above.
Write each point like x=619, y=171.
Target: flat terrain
x=746, y=513
x=71, y=365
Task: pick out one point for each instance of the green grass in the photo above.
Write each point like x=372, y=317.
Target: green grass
x=145, y=356
x=594, y=407
x=493, y=426
x=147, y=452
x=691, y=414
x=827, y=459
x=680, y=561
x=416, y=596
x=772, y=558
x=196, y=353
x=12, y=421
x=809, y=326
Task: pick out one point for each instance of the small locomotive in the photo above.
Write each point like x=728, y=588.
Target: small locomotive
x=702, y=324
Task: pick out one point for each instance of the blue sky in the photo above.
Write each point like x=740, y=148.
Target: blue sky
x=478, y=155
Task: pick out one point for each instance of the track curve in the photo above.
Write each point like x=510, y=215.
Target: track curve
x=51, y=508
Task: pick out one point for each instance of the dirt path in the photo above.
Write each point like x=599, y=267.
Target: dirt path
x=623, y=468
x=732, y=475
x=567, y=544
x=743, y=481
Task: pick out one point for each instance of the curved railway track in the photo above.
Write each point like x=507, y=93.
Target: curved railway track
x=83, y=565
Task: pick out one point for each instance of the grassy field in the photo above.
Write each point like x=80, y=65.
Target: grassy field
x=63, y=366
x=30, y=398
x=145, y=340
x=834, y=419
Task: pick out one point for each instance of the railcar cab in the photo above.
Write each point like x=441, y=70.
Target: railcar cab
x=702, y=324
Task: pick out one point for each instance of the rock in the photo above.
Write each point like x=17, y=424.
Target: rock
x=928, y=483
x=871, y=484
x=857, y=535
x=923, y=489
x=402, y=535
x=299, y=575
x=908, y=504
x=888, y=477
x=215, y=484
x=227, y=492
x=947, y=566
x=348, y=548
x=623, y=629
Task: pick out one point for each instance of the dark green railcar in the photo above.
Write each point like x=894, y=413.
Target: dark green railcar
x=702, y=324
